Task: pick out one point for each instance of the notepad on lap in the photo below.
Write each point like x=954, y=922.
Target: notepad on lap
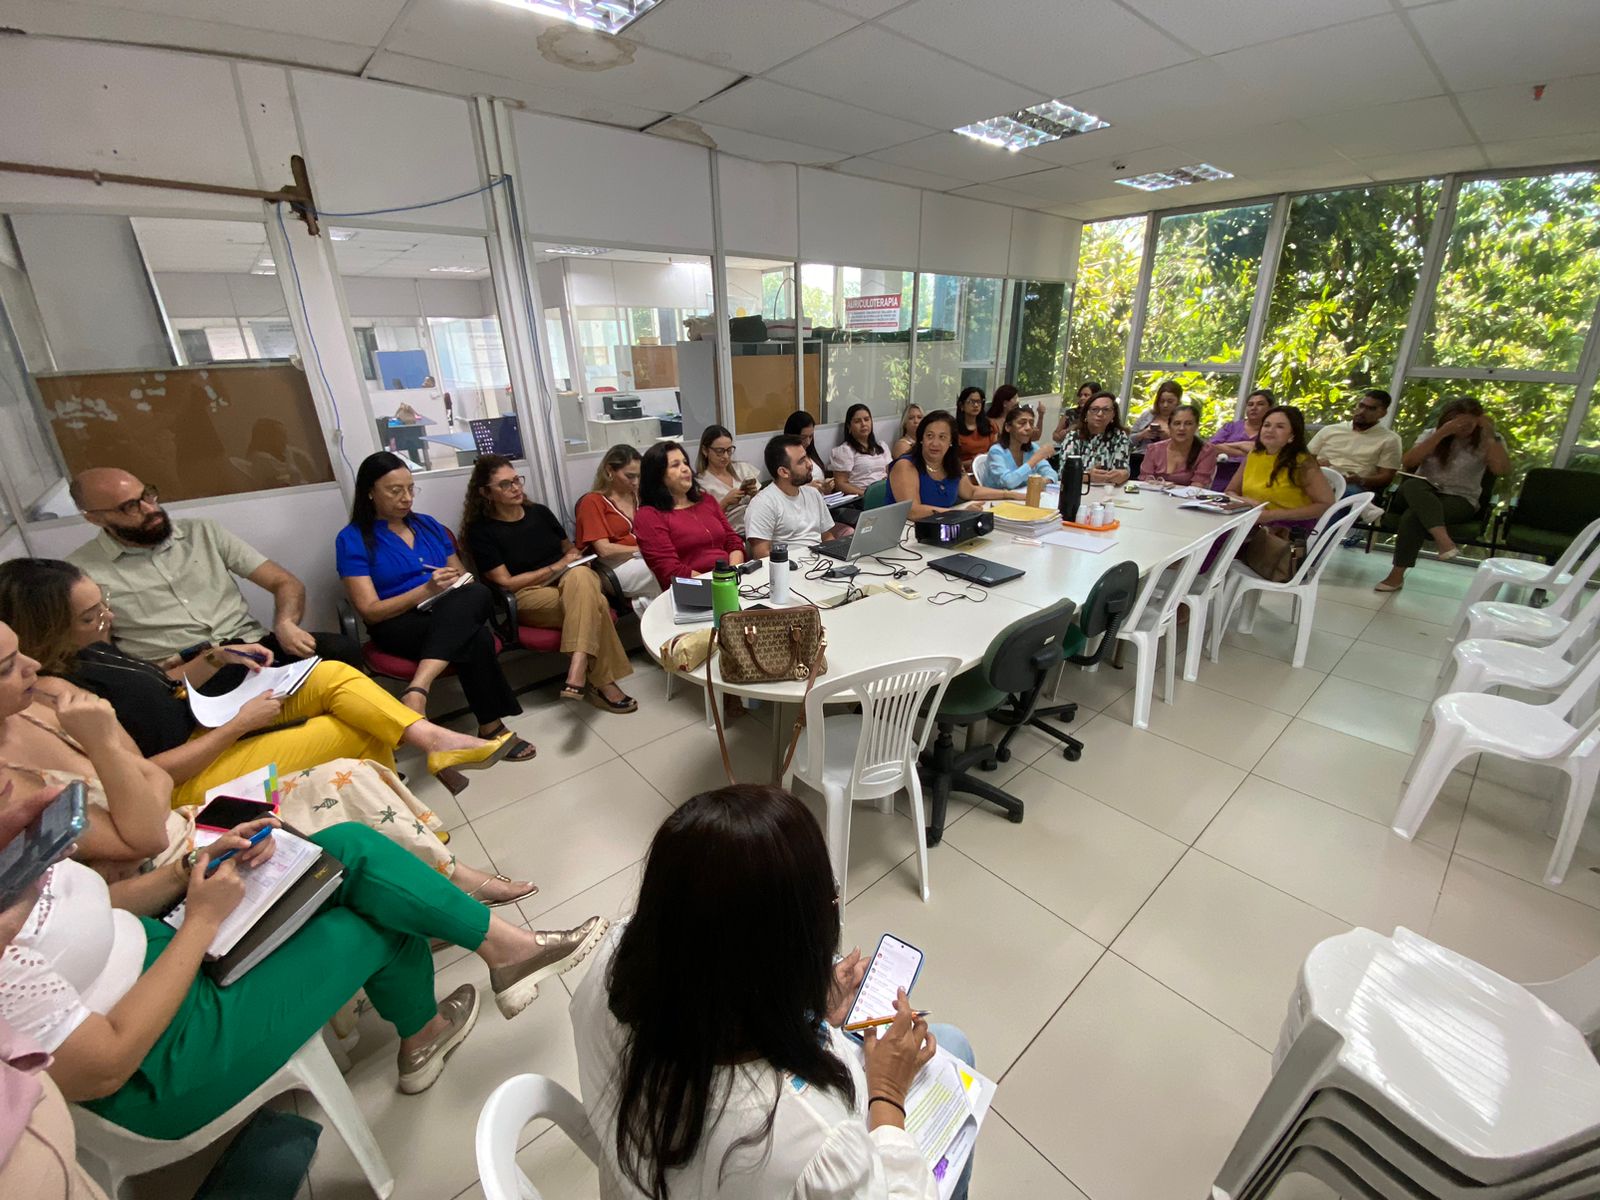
x=944, y=1108
x=215, y=711
x=461, y=581
x=280, y=896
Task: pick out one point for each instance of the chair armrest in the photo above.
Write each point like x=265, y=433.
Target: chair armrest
x=610, y=587
x=348, y=623
x=503, y=616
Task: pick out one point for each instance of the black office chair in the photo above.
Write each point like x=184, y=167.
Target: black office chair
x=1004, y=687
x=1109, y=600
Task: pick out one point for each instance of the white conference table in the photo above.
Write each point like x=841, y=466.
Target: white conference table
x=879, y=629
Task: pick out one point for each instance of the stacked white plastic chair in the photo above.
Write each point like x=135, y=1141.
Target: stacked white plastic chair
x=1494, y=573
x=1406, y=1070
x=1511, y=622
x=1245, y=586
x=1563, y=733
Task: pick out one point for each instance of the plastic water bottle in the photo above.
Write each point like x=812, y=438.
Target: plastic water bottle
x=724, y=591
x=778, y=573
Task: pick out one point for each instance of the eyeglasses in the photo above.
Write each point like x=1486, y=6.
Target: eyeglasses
x=719, y=449
x=509, y=485
x=130, y=508
x=99, y=612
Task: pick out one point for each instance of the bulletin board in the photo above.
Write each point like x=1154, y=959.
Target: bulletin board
x=191, y=432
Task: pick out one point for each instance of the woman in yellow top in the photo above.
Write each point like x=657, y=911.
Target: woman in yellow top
x=1283, y=472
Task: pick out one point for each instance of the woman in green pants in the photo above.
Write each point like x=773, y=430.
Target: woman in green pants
x=1447, y=464
x=143, y=1038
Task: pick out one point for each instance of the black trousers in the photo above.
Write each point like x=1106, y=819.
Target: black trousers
x=456, y=629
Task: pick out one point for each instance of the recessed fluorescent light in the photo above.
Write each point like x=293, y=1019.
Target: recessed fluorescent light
x=341, y=235
x=608, y=16
x=1156, y=181
x=1047, y=122
x=575, y=251
x=264, y=266
x=456, y=270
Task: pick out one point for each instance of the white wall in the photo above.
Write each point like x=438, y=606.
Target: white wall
x=203, y=294
x=599, y=281
x=375, y=297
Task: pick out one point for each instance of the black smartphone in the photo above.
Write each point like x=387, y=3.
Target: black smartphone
x=36, y=848
x=895, y=965
x=229, y=812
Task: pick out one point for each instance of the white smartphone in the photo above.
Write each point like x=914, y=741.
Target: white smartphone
x=895, y=965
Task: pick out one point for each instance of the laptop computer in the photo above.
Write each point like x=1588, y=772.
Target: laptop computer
x=877, y=530
x=969, y=568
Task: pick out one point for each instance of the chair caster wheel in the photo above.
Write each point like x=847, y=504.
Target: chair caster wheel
x=1003, y=753
x=988, y=764
x=1072, y=753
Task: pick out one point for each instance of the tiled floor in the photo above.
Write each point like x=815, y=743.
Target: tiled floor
x=1121, y=960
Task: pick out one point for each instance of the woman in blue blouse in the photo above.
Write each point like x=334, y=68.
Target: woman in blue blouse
x=1014, y=459
x=392, y=560
x=931, y=476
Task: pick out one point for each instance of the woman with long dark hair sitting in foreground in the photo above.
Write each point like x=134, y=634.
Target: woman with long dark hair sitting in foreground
x=732, y=1078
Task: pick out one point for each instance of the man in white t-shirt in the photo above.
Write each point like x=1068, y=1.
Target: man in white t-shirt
x=786, y=510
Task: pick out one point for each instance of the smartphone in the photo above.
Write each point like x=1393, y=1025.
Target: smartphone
x=36, y=848
x=229, y=812
x=895, y=965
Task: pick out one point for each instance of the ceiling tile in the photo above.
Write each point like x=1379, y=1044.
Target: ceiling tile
x=561, y=102
x=865, y=9
x=1545, y=151
x=1411, y=125
x=1484, y=43
x=1103, y=172
x=871, y=168
x=1213, y=28
x=1096, y=210
x=766, y=149
x=1058, y=46
x=1279, y=147
x=1060, y=184
x=1193, y=97
x=499, y=39
x=1001, y=195
x=1086, y=147
x=358, y=22
x=888, y=74
x=760, y=106
x=734, y=33
x=59, y=18
x=966, y=159
x=1510, y=114
x=1424, y=162
x=1375, y=61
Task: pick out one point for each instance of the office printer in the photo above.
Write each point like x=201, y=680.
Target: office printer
x=621, y=406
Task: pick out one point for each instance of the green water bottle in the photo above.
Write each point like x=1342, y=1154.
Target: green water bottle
x=724, y=591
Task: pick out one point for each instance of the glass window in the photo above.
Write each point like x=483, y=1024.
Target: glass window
x=1521, y=275
x=958, y=337
x=1109, y=256
x=1529, y=416
x=1214, y=393
x=422, y=309
x=633, y=320
x=1203, y=284
x=861, y=316
x=1343, y=293
x=160, y=345
x=1038, y=351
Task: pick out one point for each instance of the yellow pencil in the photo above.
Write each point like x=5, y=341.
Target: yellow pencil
x=876, y=1021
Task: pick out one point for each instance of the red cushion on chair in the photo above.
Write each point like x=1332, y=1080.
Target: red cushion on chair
x=541, y=641
x=393, y=666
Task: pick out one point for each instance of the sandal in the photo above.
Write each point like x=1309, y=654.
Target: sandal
x=498, y=878
x=626, y=705
x=573, y=691
x=517, y=750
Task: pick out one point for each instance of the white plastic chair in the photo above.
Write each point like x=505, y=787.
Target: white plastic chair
x=1511, y=622
x=980, y=470
x=1436, y=1067
x=1154, y=619
x=509, y=1110
x=1207, y=589
x=112, y=1155
x=1558, y=733
x=873, y=754
x=1330, y=530
x=1336, y=481
x=1494, y=573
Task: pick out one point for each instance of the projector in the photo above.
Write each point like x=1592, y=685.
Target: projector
x=953, y=528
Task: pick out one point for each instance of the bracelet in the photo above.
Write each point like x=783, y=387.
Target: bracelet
x=889, y=1102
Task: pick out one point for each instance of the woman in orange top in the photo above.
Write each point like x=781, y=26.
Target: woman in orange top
x=605, y=524
x=974, y=430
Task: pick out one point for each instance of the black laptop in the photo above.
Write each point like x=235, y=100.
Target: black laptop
x=971, y=569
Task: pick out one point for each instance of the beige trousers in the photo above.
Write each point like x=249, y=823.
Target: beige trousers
x=44, y=1164
x=576, y=606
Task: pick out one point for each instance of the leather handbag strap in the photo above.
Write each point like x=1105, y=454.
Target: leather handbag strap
x=800, y=719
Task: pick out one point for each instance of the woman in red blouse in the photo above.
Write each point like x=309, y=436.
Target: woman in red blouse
x=681, y=530
x=605, y=524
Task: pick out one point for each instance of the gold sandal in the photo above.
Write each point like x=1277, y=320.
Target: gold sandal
x=533, y=888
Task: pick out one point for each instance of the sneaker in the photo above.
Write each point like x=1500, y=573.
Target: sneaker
x=419, y=1068
x=516, y=986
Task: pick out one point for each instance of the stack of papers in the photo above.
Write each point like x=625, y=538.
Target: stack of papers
x=947, y=1102
x=1022, y=521
x=1227, y=505
x=292, y=857
x=215, y=711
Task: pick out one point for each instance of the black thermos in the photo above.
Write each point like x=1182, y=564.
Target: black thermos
x=1071, y=487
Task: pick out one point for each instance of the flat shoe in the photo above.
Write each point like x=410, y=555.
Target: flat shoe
x=517, y=985
x=1387, y=587
x=419, y=1068
x=1450, y=555
x=531, y=889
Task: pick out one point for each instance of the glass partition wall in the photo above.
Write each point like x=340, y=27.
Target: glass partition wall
x=1484, y=285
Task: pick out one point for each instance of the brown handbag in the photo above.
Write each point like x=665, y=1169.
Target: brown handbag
x=1274, y=554
x=768, y=645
